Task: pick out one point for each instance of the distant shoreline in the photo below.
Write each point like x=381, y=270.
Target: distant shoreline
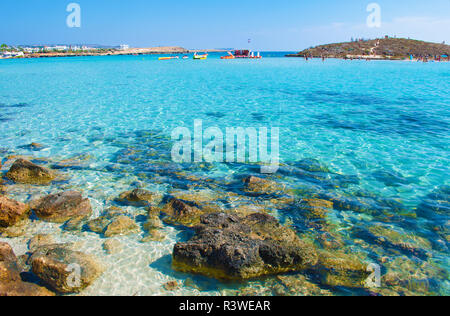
x=115, y=52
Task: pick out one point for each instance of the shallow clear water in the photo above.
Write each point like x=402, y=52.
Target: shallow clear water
x=385, y=124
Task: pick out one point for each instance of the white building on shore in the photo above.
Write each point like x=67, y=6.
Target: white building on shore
x=12, y=54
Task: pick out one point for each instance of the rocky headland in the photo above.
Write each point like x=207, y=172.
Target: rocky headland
x=384, y=48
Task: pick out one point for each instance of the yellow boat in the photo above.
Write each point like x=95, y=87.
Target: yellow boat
x=167, y=58
x=200, y=57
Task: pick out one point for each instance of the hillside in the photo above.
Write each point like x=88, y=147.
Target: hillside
x=387, y=48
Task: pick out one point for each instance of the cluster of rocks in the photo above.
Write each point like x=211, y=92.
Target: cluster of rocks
x=59, y=268
x=230, y=243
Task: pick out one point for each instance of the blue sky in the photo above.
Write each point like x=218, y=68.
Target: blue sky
x=272, y=25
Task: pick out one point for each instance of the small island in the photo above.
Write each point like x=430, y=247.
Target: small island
x=380, y=49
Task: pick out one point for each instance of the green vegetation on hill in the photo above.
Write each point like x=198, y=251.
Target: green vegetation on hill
x=389, y=48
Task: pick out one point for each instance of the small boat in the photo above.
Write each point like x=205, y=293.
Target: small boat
x=185, y=57
x=168, y=58
x=200, y=57
x=242, y=54
x=230, y=56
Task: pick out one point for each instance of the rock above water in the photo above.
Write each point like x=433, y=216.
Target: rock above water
x=65, y=270
x=11, y=211
x=236, y=248
x=138, y=197
x=11, y=283
x=61, y=207
x=24, y=171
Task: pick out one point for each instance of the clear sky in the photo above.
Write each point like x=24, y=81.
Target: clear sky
x=271, y=24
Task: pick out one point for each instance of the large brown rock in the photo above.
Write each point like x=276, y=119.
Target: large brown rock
x=61, y=207
x=24, y=171
x=236, y=248
x=11, y=211
x=65, y=270
x=11, y=283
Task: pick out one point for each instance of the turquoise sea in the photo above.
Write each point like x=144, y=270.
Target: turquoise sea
x=380, y=131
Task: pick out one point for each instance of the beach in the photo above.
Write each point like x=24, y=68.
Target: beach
x=362, y=180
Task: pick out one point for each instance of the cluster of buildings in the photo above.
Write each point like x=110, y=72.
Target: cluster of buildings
x=57, y=48
x=22, y=51
x=11, y=54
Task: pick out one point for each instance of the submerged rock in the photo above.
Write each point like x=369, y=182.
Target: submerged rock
x=98, y=225
x=112, y=246
x=153, y=222
x=12, y=211
x=398, y=240
x=259, y=186
x=11, y=283
x=39, y=241
x=33, y=146
x=181, y=212
x=311, y=165
x=61, y=207
x=65, y=270
x=171, y=286
x=120, y=226
x=297, y=285
x=436, y=205
x=154, y=235
x=410, y=277
x=339, y=269
x=17, y=230
x=235, y=248
x=138, y=197
x=313, y=209
x=392, y=178
x=24, y=171
x=75, y=224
